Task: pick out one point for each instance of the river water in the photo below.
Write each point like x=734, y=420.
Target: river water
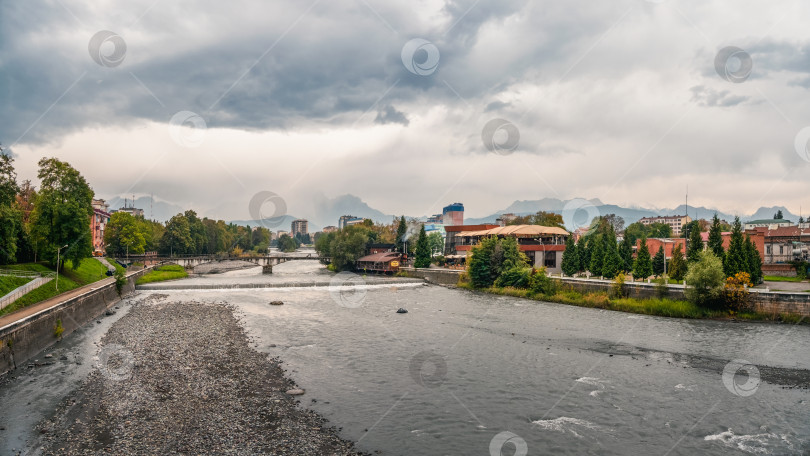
x=464, y=373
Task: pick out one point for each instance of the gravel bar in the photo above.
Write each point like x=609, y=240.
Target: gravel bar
x=181, y=378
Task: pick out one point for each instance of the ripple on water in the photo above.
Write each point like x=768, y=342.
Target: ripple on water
x=764, y=443
x=575, y=426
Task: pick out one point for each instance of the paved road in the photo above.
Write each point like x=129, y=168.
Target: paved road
x=48, y=303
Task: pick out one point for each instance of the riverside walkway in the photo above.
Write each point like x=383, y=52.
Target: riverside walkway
x=26, y=312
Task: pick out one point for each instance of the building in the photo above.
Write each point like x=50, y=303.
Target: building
x=785, y=244
x=504, y=219
x=450, y=238
x=544, y=245
x=431, y=228
x=130, y=209
x=280, y=233
x=383, y=262
x=771, y=224
x=676, y=222
x=453, y=215
x=435, y=218
x=346, y=220
x=381, y=248
x=299, y=226
x=98, y=223
x=653, y=244
x=330, y=229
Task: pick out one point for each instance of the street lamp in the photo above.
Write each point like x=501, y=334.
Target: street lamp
x=57, y=265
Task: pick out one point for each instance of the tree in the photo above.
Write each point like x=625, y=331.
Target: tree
x=11, y=221
x=62, y=213
x=626, y=253
x=616, y=222
x=402, y=231
x=677, y=265
x=694, y=244
x=705, y=280
x=658, y=262
x=123, y=234
x=736, y=259
x=584, y=254
x=570, y=258
x=436, y=241
x=643, y=265
x=597, y=255
x=635, y=231
x=612, y=262
x=541, y=218
x=422, y=254
x=778, y=215
x=754, y=261
x=659, y=230
x=716, y=238
x=491, y=257
x=286, y=243
x=197, y=232
x=344, y=247
x=177, y=238
x=801, y=219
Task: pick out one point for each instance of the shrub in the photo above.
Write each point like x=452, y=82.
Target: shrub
x=516, y=277
x=463, y=279
x=120, y=281
x=618, y=289
x=735, y=292
x=440, y=260
x=58, y=329
x=540, y=283
x=705, y=280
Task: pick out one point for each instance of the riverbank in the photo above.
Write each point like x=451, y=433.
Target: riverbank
x=219, y=267
x=181, y=377
x=661, y=307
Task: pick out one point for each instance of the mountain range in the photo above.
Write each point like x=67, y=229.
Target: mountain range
x=327, y=211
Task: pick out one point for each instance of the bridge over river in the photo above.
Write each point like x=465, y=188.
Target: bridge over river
x=265, y=261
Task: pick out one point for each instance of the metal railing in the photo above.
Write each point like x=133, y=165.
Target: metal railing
x=25, y=273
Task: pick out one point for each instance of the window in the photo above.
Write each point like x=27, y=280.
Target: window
x=550, y=259
x=768, y=249
x=781, y=250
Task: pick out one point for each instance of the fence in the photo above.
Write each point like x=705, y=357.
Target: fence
x=23, y=289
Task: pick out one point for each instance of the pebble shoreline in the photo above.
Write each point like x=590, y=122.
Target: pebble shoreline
x=181, y=378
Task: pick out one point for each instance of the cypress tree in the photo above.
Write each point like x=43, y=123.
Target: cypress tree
x=570, y=258
x=612, y=262
x=677, y=265
x=626, y=253
x=737, y=257
x=695, y=244
x=597, y=255
x=422, y=250
x=584, y=251
x=643, y=265
x=658, y=262
x=754, y=260
x=402, y=229
x=716, y=238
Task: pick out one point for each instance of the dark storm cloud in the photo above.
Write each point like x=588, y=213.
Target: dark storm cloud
x=390, y=115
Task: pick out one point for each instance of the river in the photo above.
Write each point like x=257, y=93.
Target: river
x=465, y=373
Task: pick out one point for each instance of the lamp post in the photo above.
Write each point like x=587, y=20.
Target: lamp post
x=57, y=265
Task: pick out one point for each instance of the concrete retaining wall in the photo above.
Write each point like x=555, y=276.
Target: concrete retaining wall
x=638, y=290
x=437, y=276
x=33, y=334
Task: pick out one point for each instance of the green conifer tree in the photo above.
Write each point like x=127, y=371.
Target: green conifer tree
x=677, y=265
x=643, y=265
x=570, y=258
x=658, y=262
x=597, y=255
x=422, y=250
x=695, y=244
x=716, y=238
x=736, y=259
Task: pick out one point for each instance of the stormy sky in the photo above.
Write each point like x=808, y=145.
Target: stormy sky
x=412, y=105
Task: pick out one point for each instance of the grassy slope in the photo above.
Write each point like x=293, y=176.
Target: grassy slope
x=782, y=279
x=161, y=273
x=90, y=270
x=8, y=283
